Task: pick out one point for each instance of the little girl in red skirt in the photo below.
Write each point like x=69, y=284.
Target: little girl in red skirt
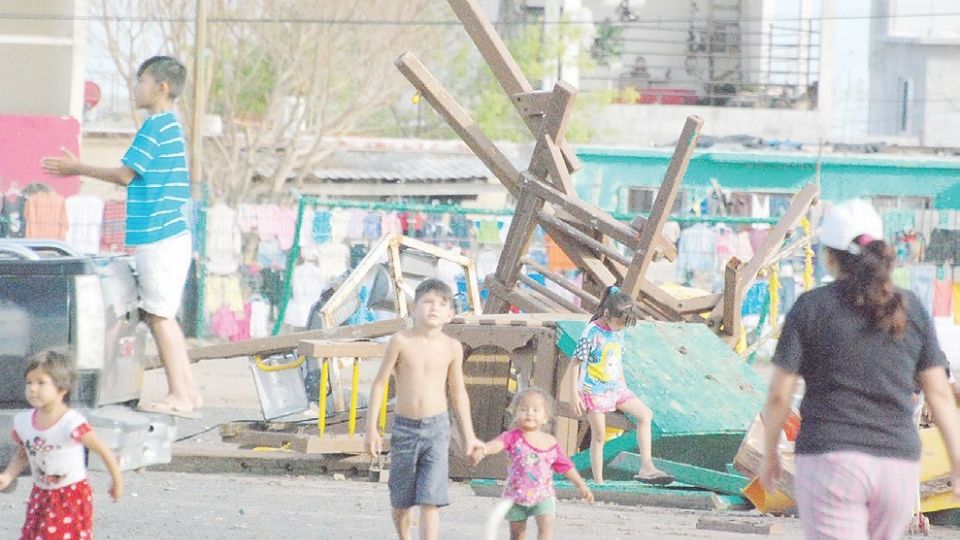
x=51, y=438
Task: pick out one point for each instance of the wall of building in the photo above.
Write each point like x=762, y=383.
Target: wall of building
x=41, y=57
x=656, y=125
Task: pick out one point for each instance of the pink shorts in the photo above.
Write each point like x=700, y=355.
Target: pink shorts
x=607, y=401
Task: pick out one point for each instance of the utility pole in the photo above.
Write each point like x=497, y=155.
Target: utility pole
x=196, y=126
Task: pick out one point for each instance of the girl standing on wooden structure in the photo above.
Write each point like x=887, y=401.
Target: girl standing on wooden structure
x=51, y=438
x=534, y=457
x=599, y=386
x=861, y=345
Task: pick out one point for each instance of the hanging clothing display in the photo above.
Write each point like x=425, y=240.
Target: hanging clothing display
x=84, y=222
x=45, y=214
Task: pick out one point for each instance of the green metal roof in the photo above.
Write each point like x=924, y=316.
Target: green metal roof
x=842, y=176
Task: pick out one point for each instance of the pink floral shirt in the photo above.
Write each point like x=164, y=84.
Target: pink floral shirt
x=530, y=477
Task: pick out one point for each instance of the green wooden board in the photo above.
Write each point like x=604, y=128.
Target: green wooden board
x=703, y=396
x=626, y=465
x=632, y=493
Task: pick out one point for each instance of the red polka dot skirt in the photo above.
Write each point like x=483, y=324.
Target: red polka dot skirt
x=60, y=514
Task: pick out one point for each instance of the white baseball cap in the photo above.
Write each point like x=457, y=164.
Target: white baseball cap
x=843, y=222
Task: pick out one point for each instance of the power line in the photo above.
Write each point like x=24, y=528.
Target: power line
x=639, y=23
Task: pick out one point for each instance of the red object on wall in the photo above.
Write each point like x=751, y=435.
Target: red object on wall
x=25, y=140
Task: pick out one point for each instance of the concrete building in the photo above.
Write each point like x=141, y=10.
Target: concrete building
x=42, y=46
x=805, y=70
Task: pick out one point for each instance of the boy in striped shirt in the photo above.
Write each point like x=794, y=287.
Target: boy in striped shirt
x=154, y=171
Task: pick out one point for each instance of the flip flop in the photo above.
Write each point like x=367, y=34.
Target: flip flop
x=662, y=479
x=161, y=407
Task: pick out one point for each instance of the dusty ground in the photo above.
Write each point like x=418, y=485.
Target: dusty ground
x=159, y=505
x=178, y=505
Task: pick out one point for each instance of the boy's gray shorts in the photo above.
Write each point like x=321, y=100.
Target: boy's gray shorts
x=420, y=461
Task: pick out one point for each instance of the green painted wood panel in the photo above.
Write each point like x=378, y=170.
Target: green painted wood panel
x=703, y=396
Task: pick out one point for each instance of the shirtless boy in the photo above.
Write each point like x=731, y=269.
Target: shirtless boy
x=424, y=361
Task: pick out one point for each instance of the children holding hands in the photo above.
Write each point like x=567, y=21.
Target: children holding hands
x=535, y=456
x=425, y=363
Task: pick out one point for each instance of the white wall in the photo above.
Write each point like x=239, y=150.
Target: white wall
x=647, y=125
x=941, y=109
x=41, y=57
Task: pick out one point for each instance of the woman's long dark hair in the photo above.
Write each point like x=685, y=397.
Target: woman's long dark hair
x=868, y=287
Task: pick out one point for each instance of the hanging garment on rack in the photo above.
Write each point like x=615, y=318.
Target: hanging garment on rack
x=922, y=278
x=246, y=217
x=223, y=238
x=557, y=260
x=925, y=222
x=306, y=227
x=900, y=277
x=321, y=227
x=943, y=296
x=307, y=284
x=11, y=215
x=355, y=223
x=222, y=291
x=112, y=237
x=259, y=317
x=390, y=223
x=45, y=213
x=895, y=221
x=334, y=259
x=268, y=216
x=944, y=246
x=372, y=226
x=487, y=232
x=269, y=254
x=339, y=220
x=696, y=251
x=286, y=226
x=85, y=218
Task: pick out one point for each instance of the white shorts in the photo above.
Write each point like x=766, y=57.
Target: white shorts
x=161, y=274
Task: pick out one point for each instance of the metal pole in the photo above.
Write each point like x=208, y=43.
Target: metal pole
x=196, y=125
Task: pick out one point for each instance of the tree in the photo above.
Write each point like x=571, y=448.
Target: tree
x=473, y=85
x=283, y=75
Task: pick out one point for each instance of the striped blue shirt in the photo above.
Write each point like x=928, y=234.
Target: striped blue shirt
x=161, y=186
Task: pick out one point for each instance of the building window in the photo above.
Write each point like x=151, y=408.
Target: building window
x=905, y=92
x=885, y=203
x=640, y=200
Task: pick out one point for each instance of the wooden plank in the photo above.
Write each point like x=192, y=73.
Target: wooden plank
x=700, y=304
x=799, y=206
x=663, y=204
x=629, y=463
x=551, y=295
x=532, y=103
x=552, y=129
x=506, y=70
x=589, y=301
x=557, y=167
x=662, y=248
x=525, y=303
x=588, y=214
x=740, y=525
x=324, y=348
x=583, y=238
x=545, y=368
x=732, y=300
x=348, y=289
x=458, y=120
x=518, y=241
x=287, y=343
x=396, y=272
x=587, y=263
